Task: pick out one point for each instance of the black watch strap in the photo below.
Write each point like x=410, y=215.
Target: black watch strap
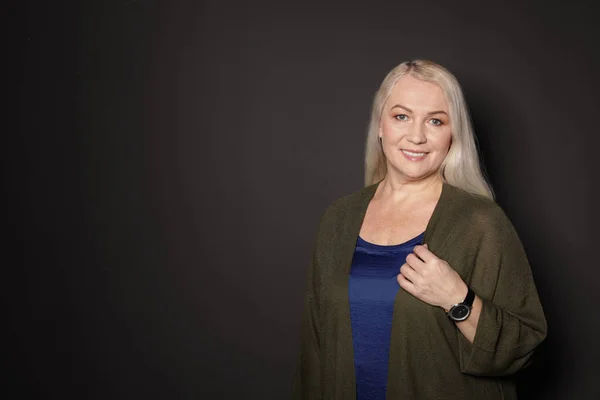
x=470, y=298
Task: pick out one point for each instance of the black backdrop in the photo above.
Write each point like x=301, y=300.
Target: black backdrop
x=172, y=160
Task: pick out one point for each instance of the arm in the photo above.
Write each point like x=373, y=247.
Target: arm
x=307, y=379
x=468, y=327
x=507, y=322
x=511, y=323
x=456, y=290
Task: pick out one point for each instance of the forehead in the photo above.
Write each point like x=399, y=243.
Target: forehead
x=417, y=95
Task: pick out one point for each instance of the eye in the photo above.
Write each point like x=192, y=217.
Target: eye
x=436, y=122
x=401, y=117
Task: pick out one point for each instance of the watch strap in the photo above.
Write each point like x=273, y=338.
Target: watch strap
x=470, y=298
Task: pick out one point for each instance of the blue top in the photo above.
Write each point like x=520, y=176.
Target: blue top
x=372, y=289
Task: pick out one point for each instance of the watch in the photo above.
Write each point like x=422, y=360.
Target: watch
x=461, y=311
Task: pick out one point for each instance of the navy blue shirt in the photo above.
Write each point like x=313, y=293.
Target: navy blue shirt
x=372, y=289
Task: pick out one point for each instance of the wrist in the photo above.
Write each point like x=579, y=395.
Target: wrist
x=461, y=311
x=459, y=296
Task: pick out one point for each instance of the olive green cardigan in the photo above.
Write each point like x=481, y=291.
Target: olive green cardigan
x=429, y=358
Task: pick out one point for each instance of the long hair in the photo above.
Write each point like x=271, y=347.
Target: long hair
x=461, y=166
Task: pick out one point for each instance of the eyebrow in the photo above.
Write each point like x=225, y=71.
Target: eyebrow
x=409, y=110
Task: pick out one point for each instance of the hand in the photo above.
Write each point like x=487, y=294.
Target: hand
x=431, y=279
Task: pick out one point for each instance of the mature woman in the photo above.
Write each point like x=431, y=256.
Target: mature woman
x=419, y=287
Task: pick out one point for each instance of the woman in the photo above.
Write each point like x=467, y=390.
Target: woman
x=419, y=287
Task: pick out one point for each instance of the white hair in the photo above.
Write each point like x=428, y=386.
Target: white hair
x=461, y=166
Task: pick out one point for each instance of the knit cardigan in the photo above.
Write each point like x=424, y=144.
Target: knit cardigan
x=429, y=357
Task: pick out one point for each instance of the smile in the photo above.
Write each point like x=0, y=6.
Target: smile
x=411, y=155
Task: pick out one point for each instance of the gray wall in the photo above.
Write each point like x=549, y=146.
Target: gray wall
x=172, y=160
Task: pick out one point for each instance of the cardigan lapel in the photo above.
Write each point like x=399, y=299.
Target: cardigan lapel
x=438, y=228
x=356, y=214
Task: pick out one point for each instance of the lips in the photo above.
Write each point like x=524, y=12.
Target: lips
x=411, y=153
x=414, y=156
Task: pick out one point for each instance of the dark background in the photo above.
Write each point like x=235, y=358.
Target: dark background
x=172, y=160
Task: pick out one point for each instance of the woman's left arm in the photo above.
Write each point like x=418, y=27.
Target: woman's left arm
x=507, y=321
x=432, y=280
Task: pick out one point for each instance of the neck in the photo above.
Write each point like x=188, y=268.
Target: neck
x=395, y=189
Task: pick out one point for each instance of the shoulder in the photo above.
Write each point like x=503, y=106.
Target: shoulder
x=355, y=198
x=346, y=206
x=476, y=210
x=351, y=201
x=468, y=223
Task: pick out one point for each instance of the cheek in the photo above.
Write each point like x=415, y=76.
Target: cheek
x=392, y=129
x=448, y=142
x=384, y=127
x=441, y=144
x=444, y=141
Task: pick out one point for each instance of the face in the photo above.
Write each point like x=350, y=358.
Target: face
x=415, y=129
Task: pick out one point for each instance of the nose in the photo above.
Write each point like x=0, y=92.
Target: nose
x=416, y=134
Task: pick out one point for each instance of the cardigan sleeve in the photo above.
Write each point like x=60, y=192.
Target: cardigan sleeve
x=307, y=378
x=512, y=323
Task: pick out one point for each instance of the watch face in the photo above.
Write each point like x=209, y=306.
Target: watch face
x=460, y=312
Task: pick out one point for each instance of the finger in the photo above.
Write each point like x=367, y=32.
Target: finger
x=424, y=253
x=415, y=262
x=406, y=284
x=408, y=272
